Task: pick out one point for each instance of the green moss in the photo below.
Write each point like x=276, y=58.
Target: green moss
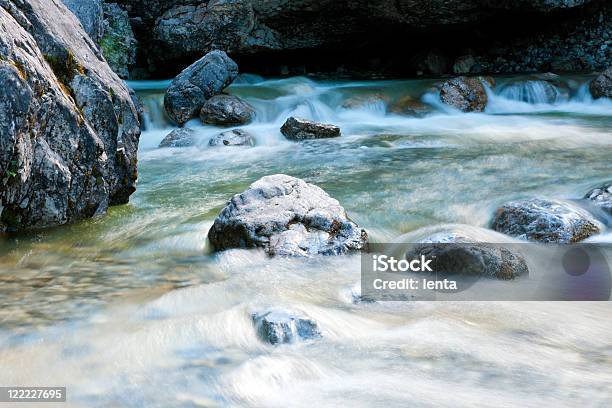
x=65, y=69
x=12, y=169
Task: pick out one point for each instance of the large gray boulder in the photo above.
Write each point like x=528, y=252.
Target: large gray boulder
x=461, y=255
x=226, y=110
x=601, y=87
x=601, y=197
x=467, y=94
x=548, y=221
x=68, y=127
x=279, y=326
x=118, y=42
x=303, y=129
x=91, y=15
x=286, y=216
x=199, y=82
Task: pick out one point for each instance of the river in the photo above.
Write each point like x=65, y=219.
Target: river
x=133, y=309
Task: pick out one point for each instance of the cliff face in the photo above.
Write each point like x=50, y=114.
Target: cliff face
x=69, y=129
x=180, y=31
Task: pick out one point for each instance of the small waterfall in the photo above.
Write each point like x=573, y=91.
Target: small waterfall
x=155, y=115
x=533, y=92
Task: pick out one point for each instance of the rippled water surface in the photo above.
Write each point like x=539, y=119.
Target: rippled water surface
x=132, y=309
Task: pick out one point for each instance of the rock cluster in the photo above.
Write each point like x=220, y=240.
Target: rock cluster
x=286, y=216
x=199, y=82
x=69, y=128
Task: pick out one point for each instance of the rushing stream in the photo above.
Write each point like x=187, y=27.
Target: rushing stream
x=132, y=309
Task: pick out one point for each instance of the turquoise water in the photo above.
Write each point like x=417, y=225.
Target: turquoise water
x=132, y=309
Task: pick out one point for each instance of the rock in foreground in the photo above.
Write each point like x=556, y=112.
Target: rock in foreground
x=286, y=216
x=601, y=87
x=279, y=326
x=302, y=129
x=182, y=137
x=226, y=110
x=467, y=94
x=199, y=82
x=548, y=221
x=601, y=197
x=69, y=129
x=457, y=254
x=236, y=137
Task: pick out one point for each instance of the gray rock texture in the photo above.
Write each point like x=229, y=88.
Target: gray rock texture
x=601, y=197
x=181, y=137
x=601, y=87
x=548, y=221
x=286, y=216
x=118, y=42
x=91, y=15
x=282, y=326
x=235, y=137
x=467, y=94
x=226, y=110
x=303, y=129
x=68, y=127
x=457, y=254
x=199, y=82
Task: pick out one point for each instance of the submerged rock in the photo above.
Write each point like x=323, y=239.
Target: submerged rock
x=601, y=87
x=91, y=15
x=118, y=43
x=457, y=254
x=548, y=221
x=226, y=110
x=407, y=105
x=361, y=101
x=467, y=94
x=199, y=82
x=286, y=216
x=302, y=129
x=236, y=137
x=69, y=129
x=181, y=137
x=280, y=326
x=601, y=197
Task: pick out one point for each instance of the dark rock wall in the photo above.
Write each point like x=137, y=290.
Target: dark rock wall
x=389, y=37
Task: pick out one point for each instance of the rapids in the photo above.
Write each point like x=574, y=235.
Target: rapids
x=132, y=309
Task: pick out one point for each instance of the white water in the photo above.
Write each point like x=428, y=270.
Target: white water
x=131, y=310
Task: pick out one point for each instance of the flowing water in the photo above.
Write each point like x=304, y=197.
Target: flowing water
x=133, y=309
